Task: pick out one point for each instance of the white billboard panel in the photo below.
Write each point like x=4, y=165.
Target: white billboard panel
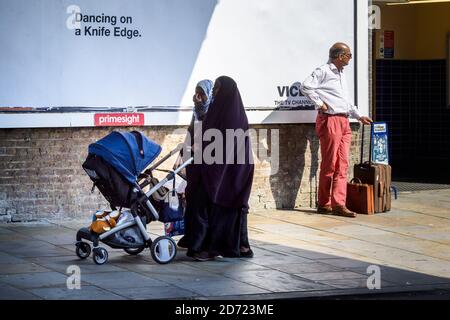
x=83, y=56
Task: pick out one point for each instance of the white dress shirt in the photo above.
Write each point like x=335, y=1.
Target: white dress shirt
x=327, y=84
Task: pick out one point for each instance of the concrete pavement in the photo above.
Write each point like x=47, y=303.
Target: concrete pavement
x=298, y=254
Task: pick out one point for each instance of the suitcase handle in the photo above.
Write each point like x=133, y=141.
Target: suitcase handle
x=362, y=144
x=370, y=144
x=357, y=180
x=380, y=189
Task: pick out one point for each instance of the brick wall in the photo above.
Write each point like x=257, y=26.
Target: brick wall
x=41, y=174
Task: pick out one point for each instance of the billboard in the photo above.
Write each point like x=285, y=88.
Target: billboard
x=65, y=61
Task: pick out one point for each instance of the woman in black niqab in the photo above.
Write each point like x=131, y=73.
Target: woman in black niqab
x=217, y=194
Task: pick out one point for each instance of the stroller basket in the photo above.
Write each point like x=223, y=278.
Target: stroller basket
x=116, y=165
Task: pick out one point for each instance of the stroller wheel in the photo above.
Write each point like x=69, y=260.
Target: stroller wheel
x=100, y=255
x=163, y=249
x=134, y=251
x=83, y=250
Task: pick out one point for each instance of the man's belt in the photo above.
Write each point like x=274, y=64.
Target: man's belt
x=334, y=114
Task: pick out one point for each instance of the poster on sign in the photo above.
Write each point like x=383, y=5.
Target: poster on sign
x=379, y=148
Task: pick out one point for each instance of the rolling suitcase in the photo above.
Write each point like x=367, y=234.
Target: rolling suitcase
x=377, y=175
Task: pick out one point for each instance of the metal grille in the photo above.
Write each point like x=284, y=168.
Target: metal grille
x=417, y=186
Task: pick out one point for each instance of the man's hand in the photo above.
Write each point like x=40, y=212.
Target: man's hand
x=365, y=120
x=324, y=107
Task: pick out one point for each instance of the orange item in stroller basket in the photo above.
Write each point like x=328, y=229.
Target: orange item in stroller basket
x=104, y=221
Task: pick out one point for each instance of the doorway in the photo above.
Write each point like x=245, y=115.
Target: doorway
x=410, y=83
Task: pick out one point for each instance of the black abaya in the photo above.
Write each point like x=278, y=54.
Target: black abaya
x=213, y=228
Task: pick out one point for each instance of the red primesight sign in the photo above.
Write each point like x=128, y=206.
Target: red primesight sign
x=118, y=119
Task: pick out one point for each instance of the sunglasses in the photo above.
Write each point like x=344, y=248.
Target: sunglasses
x=348, y=55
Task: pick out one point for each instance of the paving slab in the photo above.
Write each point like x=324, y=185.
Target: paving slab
x=34, y=280
x=331, y=275
x=32, y=249
x=10, y=259
x=8, y=292
x=164, y=292
x=61, y=263
x=121, y=279
x=226, y=268
x=276, y=281
x=21, y=268
x=304, y=268
x=178, y=278
x=360, y=283
x=221, y=287
x=86, y=292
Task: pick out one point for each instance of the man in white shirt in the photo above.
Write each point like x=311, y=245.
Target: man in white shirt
x=327, y=88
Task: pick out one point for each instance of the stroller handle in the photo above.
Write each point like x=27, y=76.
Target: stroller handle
x=167, y=156
x=168, y=177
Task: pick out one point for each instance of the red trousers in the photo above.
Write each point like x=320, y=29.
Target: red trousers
x=335, y=137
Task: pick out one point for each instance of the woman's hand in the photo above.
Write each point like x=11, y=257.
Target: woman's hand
x=197, y=99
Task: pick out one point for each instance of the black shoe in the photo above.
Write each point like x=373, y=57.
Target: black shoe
x=190, y=253
x=182, y=243
x=247, y=254
x=202, y=256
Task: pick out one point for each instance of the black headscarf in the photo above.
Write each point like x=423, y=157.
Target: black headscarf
x=228, y=185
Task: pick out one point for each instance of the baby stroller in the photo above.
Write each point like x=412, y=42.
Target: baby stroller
x=115, y=164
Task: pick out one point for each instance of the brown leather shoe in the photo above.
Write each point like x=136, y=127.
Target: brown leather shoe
x=325, y=210
x=343, y=212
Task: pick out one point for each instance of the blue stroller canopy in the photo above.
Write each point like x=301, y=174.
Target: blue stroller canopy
x=128, y=152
